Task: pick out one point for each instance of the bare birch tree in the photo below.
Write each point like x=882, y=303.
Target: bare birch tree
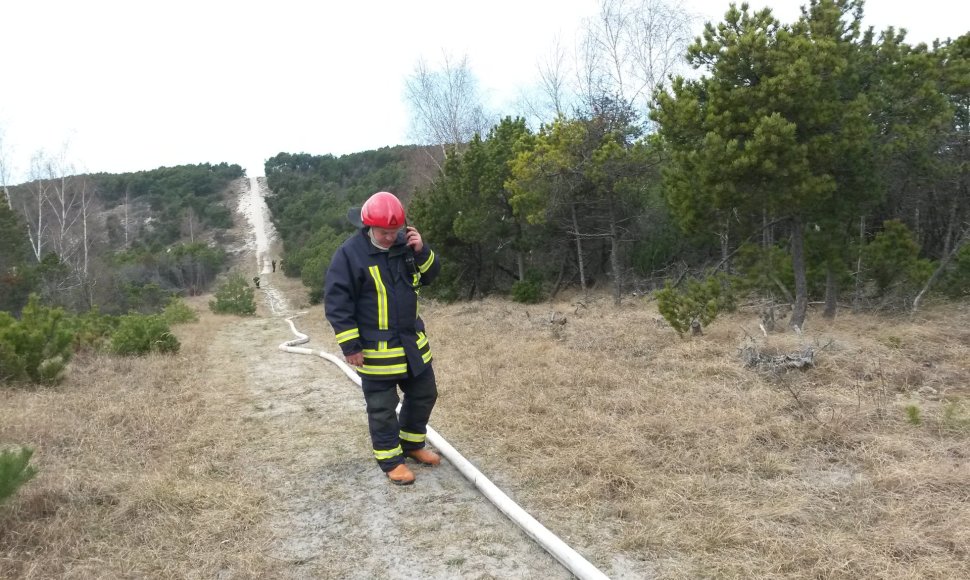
x=65, y=201
x=553, y=95
x=630, y=47
x=446, y=106
x=58, y=211
x=33, y=205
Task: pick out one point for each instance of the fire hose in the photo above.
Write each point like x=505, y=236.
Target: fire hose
x=568, y=557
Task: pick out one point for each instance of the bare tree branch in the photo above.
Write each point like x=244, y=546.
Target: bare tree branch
x=445, y=104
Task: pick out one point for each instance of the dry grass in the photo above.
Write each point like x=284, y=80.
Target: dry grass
x=630, y=441
x=649, y=453
x=142, y=472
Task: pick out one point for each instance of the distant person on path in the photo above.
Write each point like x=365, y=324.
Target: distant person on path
x=371, y=300
x=256, y=281
x=274, y=265
x=281, y=266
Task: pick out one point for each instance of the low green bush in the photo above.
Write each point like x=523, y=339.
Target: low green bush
x=528, y=291
x=15, y=470
x=892, y=260
x=92, y=330
x=139, y=334
x=956, y=280
x=36, y=348
x=234, y=296
x=698, y=304
x=178, y=312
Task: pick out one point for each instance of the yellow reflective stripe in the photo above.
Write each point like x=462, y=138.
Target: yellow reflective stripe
x=348, y=335
x=422, y=339
x=389, y=353
x=427, y=264
x=426, y=357
x=387, y=453
x=384, y=369
x=375, y=273
x=412, y=437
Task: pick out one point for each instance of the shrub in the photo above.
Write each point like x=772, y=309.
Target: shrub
x=763, y=271
x=528, y=291
x=37, y=347
x=699, y=304
x=913, y=415
x=138, y=334
x=234, y=296
x=178, y=312
x=956, y=281
x=92, y=330
x=15, y=471
x=892, y=259
x=145, y=298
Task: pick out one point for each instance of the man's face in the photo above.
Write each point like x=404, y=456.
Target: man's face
x=384, y=238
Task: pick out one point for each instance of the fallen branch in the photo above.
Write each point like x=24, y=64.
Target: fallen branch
x=754, y=358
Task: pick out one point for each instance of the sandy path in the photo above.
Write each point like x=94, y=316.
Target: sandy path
x=335, y=515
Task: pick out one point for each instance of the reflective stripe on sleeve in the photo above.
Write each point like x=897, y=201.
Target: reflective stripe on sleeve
x=427, y=263
x=347, y=335
x=423, y=347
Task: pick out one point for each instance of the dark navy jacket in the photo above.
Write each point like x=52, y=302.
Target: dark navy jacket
x=371, y=301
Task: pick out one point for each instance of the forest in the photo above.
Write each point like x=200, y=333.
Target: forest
x=783, y=164
x=115, y=242
x=816, y=161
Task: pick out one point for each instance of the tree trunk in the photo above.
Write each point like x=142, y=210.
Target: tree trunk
x=939, y=270
x=857, y=298
x=725, y=254
x=615, y=259
x=801, y=281
x=84, y=222
x=767, y=239
x=126, y=218
x=831, y=291
x=35, y=233
x=579, y=250
x=951, y=225
x=520, y=262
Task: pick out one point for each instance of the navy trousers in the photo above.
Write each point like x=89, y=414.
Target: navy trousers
x=392, y=436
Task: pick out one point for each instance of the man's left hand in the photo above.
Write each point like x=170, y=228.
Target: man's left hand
x=413, y=239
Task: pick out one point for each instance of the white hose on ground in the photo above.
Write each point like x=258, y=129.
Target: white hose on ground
x=571, y=559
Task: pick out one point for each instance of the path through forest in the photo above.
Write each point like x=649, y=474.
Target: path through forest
x=336, y=516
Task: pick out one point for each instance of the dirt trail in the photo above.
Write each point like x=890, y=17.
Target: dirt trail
x=335, y=515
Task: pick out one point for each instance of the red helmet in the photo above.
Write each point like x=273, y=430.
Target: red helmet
x=382, y=210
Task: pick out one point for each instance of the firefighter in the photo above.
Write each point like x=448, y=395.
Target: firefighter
x=371, y=301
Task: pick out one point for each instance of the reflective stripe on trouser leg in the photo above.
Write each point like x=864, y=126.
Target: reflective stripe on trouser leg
x=381, y=398
x=420, y=394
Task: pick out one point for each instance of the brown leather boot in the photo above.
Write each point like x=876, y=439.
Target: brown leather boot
x=401, y=475
x=425, y=456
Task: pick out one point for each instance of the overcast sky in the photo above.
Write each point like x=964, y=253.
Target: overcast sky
x=131, y=85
